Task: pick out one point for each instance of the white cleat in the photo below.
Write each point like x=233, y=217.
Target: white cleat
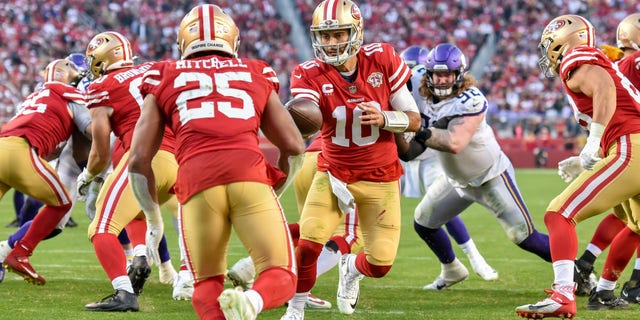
x=451, y=274
x=314, y=302
x=348, y=286
x=4, y=250
x=183, y=286
x=167, y=273
x=483, y=269
x=235, y=305
x=242, y=273
x=293, y=314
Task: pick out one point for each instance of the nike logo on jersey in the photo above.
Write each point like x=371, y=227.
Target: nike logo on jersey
x=299, y=76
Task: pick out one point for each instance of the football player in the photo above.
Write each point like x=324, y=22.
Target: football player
x=420, y=172
x=626, y=53
x=475, y=168
x=45, y=121
x=606, y=103
x=114, y=103
x=216, y=104
x=361, y=92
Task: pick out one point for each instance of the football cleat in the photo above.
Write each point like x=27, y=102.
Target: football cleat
x=183, y=286
x=348, y=286
x=482, y=268
x=293, y=314
x=119, y=301
x=314, y=302
x=4, y=249
x=631, y=291
x=167, y=273
x=242, y=273
x=139, y=272
x=605, y=300
x=560, y=303
x=20, y=265
x=451, y=274
x=584, y=277
x=235, y=305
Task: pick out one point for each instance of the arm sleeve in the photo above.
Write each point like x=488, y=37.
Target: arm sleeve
x=81, y=117
x=415, y=149
x=402, y=100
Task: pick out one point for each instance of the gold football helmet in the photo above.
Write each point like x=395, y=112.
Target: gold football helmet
x=561, y=34
x=62, y=70
x=336, y=15
x=208, y=28
x=107, y=51
x=628, y=34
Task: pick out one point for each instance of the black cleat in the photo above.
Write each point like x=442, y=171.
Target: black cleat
x=119, y=301
x=71, y=223
x=581, y=276
x=631, y=291
x=138, y=273
x=605, y=300
x=13, y=224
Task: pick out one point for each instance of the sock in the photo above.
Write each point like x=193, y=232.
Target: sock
x=563, y=272
x=469, y=248
x=140, y=250
x=255, y=299
x=458, y=230
x=123, y=237
x=298, y=301
x=538, y=243
x=205, y=306
x=274, y=286
x=607, y=229
x=110, y=255
x=19, y=234
x=137, y=230
x=622, y=248
x=122, y=283
x=606, y=285
x=307, y=259
x=18, y=202
x=438, y=241
x=564, y=242
x=43, y=224
x=29, y=210
x=329, y=258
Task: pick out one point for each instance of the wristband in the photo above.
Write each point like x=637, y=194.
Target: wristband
x=395, y=121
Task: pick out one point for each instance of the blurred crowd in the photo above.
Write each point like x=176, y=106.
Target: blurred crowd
x=523, y=103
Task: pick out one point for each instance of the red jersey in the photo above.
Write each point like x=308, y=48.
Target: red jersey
x=351, y=151
x=120, y=90
x=44, y=118
x=630, y=67
x=626, y=118
x=214, y=105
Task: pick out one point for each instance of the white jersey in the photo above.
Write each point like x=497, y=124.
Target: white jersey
x=417, y=72
x=483, y=159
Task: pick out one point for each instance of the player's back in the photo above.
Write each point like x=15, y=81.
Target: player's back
x=44, y=118
x=119, y=90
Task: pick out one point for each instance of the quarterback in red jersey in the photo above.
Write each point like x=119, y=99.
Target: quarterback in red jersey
x=114, y=102
x=44, y=122
x=361, y=92
x=604, y=101
x=216, y=104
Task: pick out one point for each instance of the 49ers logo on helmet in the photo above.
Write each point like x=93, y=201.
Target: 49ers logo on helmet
x=554, y=26
x=95, y=44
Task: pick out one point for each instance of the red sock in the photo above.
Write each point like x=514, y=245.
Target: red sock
x=137, y=231
x=368, y=269
x=45, y=221
x=276, y=286
x=110, y=254
x=622, y=248
x=563, y=240
x=294, y=229
x=307, y=259
x=205, y=298
x=606, y=231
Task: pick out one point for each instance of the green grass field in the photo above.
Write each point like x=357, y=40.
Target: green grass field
x=74, y=276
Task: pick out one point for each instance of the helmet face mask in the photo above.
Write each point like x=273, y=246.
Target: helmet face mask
x=445, y=58
x=559, y=36
x=331, y=16
x=62, y=70
x=107, y=51
x=208, y=28
x=628, y=32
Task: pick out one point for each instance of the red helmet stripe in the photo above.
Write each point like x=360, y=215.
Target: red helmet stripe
x=51, y=72
x=331, y=10
x=126, y=46
x=590, y=32
x=206, y=22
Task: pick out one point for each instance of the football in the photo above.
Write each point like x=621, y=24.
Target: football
x=306, y=115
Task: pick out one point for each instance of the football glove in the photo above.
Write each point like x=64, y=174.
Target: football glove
x=570, y=168
x=82, y=184
x=155, y=229
x=589, y=154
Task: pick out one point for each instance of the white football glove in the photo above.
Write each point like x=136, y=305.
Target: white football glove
x=82, y=184
x=589, y=154
x=570, y=168
x=155, y=229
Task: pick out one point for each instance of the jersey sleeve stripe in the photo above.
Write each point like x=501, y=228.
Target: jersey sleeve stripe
x=314, y=95
x=398, y=83
x=569, y=63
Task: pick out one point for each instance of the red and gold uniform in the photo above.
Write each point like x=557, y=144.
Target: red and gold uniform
x=214, y=105
x=363, y=157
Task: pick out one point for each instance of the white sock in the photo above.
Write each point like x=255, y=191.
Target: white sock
x=563, y=272
x=140, y=250
x=594, y=250
x=469, y=248
x=256, y=300
x=122, y=283
x=604, y=284
x=327, y=260
x=298, y=301
x=351, y=265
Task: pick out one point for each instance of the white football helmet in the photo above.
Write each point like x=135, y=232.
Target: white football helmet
x=628, y=33
x=336, y=15
x=107, y=51
x=208, y=28
x=559, y=36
